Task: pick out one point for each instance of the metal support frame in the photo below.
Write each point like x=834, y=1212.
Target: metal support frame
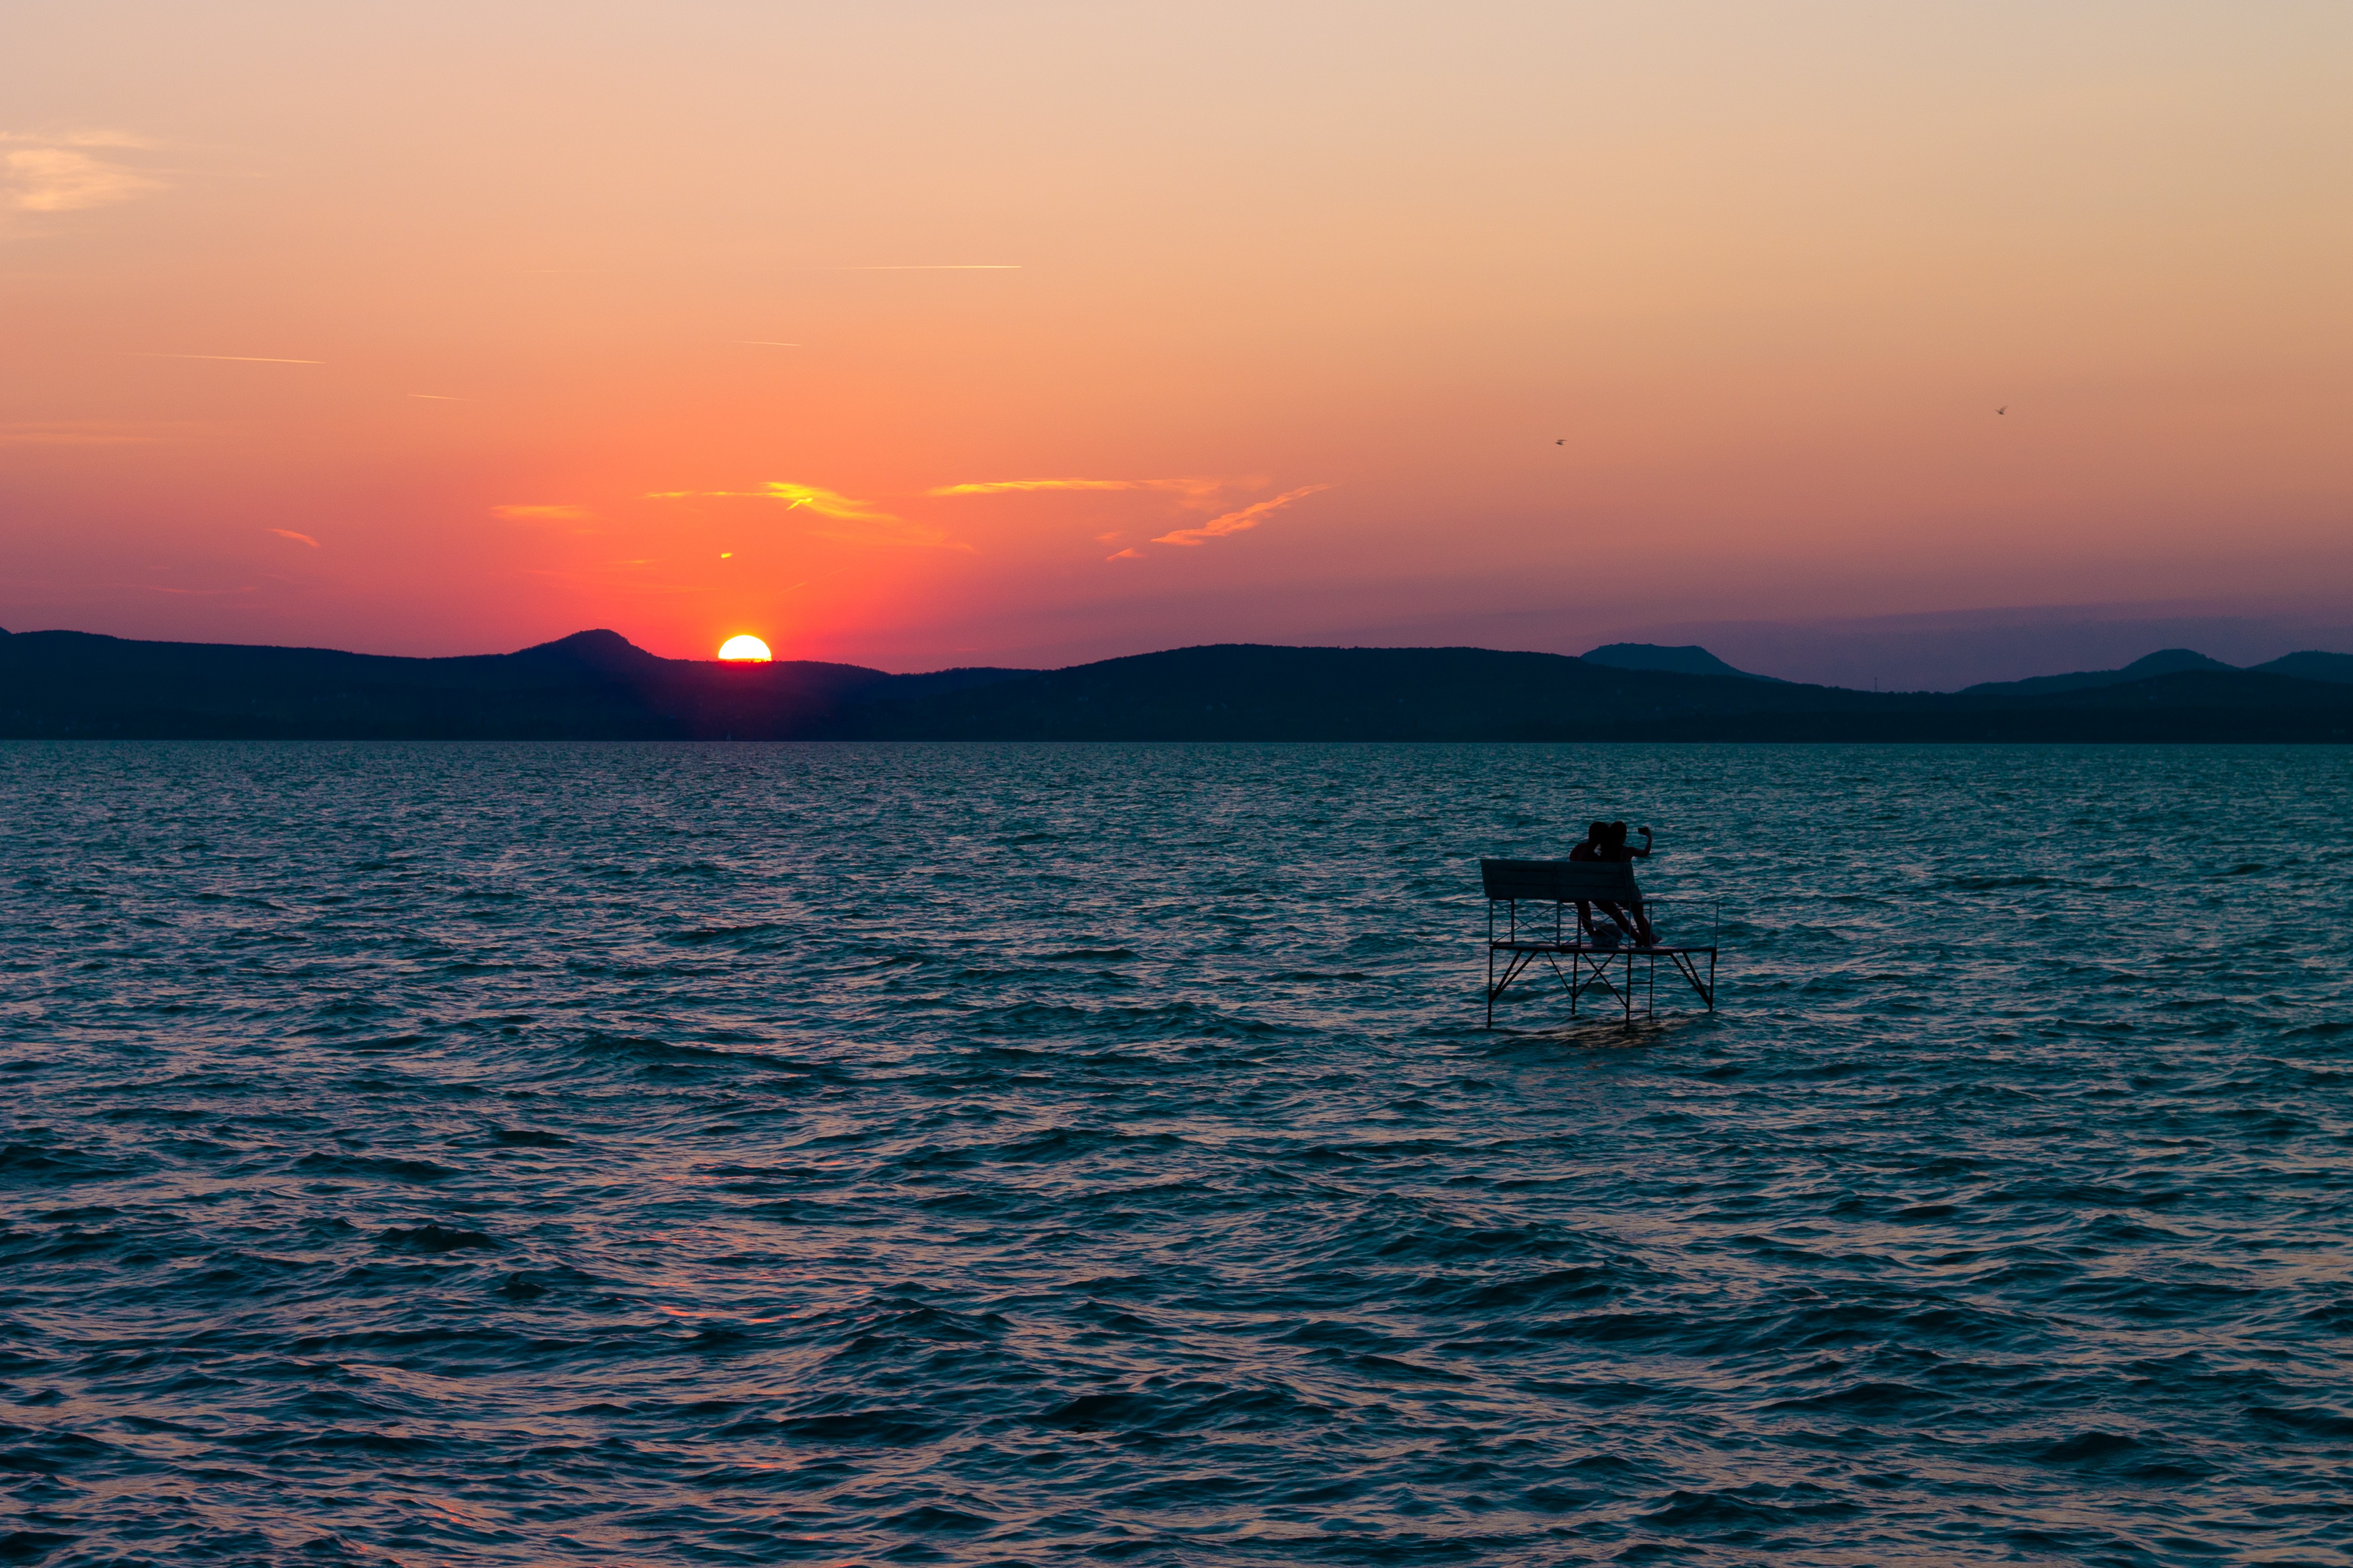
x=1591, y=966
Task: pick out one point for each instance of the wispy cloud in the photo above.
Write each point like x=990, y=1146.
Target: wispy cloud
x=1247, y=518
x=932, y=266
x=297, y=538
x=1126, y=555
x=1185, y=487
x=765, y=343
x=562, y=511
x=824, y=502
x=851, y=520
x=440, y=397
x=70, y=172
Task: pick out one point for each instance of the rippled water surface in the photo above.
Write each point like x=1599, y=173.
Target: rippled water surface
x=526, y=1154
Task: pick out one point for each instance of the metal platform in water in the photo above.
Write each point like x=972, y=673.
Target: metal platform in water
x=1595, y=963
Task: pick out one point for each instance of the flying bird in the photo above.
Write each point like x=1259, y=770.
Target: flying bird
x=1562, y=442
x=2003, y=409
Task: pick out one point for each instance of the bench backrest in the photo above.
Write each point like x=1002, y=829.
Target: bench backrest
x=1557, y=882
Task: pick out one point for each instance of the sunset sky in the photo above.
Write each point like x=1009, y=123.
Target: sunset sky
x=929, y=334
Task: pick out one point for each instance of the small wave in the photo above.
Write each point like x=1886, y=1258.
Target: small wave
x=1740, y=1509
x=1867, y=1400
x=656, y=1053
x=1187, y=1407
x=435, y=1239
x=2317, y=1421
x=2120, y=1454
x=733, y=933
x=529, y=1138
x=37, y=1165
x=385, y=1167
x=877, y=1428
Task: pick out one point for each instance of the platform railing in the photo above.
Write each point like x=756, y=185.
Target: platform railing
x=1566, y=932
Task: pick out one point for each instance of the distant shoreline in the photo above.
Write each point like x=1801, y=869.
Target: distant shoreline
x=596, y=686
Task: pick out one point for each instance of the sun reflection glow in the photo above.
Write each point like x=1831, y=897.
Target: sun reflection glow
x=744, y=647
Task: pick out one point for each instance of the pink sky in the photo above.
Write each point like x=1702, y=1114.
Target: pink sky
x=450, y=328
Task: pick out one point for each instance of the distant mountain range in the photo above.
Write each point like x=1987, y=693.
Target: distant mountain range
x=2329, y=667
x=597, y=686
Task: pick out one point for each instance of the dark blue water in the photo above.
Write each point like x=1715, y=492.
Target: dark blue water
x=668, y=1154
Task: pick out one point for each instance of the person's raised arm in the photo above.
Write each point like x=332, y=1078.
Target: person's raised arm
x=1644, y=851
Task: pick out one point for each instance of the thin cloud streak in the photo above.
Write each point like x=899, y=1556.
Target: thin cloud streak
x=863, y=522
x=932, y=266
x=1247, y=518
x=765, y=343
x=1185, y=487
x=297, y=538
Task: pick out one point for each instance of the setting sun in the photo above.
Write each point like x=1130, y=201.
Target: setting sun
x=744, y=647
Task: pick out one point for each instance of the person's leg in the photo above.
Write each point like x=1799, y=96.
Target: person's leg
x=1617, y=918
x=1643, y=935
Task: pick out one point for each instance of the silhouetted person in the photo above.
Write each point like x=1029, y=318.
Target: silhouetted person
x=1597, y=834
x=1614, y=849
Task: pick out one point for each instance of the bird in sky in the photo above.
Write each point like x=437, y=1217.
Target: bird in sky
x=2003, y=409
x=1562, y=442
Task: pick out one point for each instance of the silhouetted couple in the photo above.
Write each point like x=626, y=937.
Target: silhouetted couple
x=1606, y=841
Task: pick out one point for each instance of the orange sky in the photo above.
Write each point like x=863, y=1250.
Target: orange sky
x=1363, y=322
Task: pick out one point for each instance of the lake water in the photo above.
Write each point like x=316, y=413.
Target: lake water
x=1046, y=1154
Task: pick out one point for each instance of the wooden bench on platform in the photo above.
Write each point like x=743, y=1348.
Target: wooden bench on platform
x=1578, y=892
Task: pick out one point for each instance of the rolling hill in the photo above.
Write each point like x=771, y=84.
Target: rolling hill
x=597, y=686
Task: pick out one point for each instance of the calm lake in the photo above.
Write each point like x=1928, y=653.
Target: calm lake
x=1044, y=1154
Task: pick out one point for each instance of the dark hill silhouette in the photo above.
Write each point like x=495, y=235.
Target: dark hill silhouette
x=1250, y=692
x=2165, y=661
x=594, y=685
x=597, y=686
x=2311, y=665
x=1246, y=692
x=1685, y=661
